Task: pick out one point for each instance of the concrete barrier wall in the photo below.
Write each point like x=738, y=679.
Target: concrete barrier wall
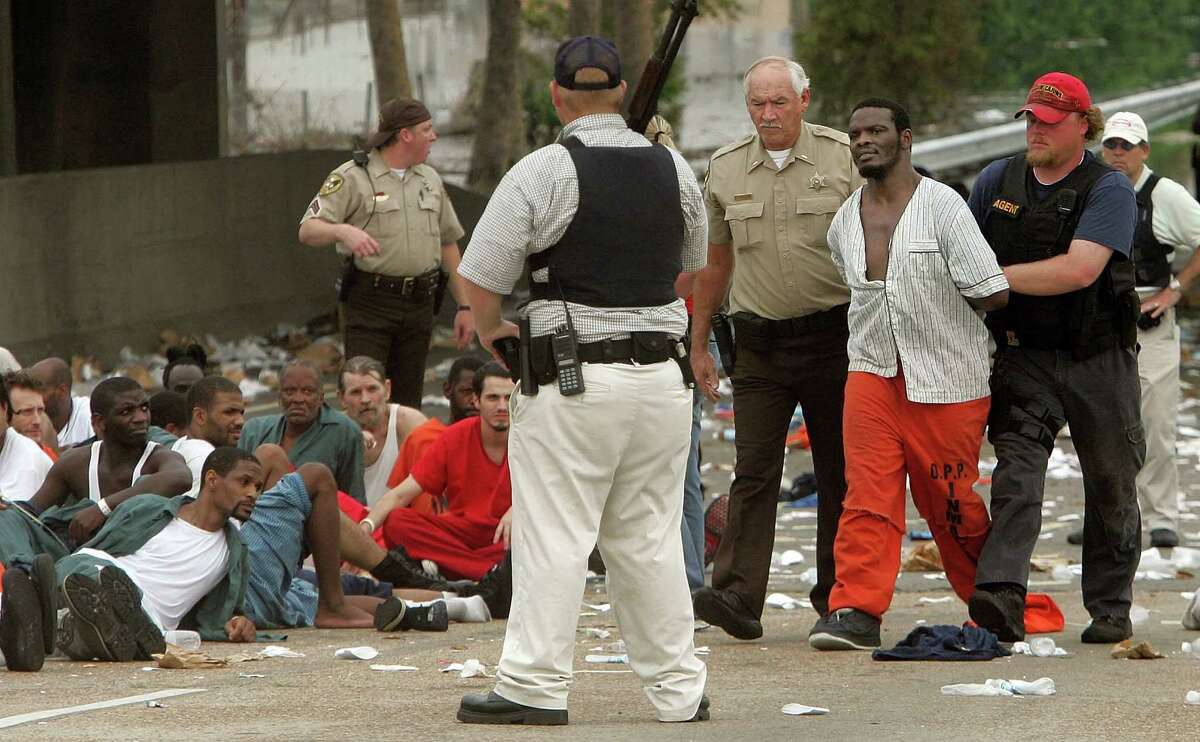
x=93, y=260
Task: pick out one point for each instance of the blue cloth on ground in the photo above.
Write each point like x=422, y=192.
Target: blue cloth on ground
x=353, y=584
x=944, y=642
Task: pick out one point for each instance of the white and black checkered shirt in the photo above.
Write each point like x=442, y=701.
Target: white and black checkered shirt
x=531, y=210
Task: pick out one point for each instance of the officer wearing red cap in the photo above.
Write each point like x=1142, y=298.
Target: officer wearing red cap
x=1061, y=223
x=389, y=211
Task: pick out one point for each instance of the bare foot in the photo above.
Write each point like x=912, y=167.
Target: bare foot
x=344, y=616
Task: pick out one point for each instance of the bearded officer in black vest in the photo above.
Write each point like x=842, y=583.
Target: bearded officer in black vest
x=1061, y=223
x=606, y=222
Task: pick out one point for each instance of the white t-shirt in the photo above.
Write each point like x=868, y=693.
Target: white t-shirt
x=779, y=155
x=194, y=451
x=174, y=570
x=23, y=466
x=399, y=171
x=79, y=427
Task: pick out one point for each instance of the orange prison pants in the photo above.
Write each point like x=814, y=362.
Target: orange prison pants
x=936, y=446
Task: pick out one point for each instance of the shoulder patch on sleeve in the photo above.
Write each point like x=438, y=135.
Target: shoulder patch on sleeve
x=331, y=184
x=733, y=146
x=834, y=134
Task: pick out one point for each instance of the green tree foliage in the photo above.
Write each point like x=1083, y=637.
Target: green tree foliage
x=1113, y=47
x=921, y=53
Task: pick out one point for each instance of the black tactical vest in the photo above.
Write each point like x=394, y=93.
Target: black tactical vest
x=624, y=247
x=1023, y=229
x=1151, y=258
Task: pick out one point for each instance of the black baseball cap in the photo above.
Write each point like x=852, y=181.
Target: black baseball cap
x=583, y=52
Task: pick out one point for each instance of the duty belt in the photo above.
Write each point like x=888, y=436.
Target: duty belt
x=642, y=348
x=408, y=287
x=748, y=323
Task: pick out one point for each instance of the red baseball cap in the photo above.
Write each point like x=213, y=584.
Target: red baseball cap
x=1054, y=95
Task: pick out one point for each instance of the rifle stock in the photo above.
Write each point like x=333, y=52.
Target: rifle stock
x=645, y=97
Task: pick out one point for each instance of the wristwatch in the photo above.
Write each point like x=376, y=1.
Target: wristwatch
x=1175, y=285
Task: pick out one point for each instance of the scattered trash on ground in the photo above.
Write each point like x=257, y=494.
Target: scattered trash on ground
x=467, y=669
x=356, y=653
x=1000, y=687
x=276, y=651
x=1127, y=650
x=787, y=602
x=1042, y=646
x=924, y=557
x=393, y=668
x=799, y=709
x=607, y=659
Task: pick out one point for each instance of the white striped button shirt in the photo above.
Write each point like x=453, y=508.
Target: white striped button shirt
x=531, y=210
x=918, y=317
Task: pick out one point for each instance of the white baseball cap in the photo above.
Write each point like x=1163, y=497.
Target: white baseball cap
x=1126, y=125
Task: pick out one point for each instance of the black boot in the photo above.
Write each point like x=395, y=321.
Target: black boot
x=495, y=587
x=398, y=569
x=21, y=623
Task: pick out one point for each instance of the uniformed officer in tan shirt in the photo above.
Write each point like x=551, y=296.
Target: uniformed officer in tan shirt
x=771, y=198
x=392, y=214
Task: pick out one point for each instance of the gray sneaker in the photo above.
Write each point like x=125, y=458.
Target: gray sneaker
x=845, y=628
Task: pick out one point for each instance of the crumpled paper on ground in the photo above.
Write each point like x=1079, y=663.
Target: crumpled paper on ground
x=182, y=659
x=1127, y=650
x=277, y=651
x=924, y=557
x=787, y=602
x=1001, y=687
x=468, y=669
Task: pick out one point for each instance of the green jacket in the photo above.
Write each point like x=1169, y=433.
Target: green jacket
x=139, y=519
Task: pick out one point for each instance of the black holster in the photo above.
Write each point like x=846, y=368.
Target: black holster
x=723, y=333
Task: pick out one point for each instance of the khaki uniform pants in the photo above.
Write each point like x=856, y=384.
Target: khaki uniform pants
x=606, y=468
x=1158, y=372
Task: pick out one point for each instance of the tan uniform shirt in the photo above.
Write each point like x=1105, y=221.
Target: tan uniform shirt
x=412, y=219
x=776, y=219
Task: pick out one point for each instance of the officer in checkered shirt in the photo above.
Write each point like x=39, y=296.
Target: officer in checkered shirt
x=607, y=222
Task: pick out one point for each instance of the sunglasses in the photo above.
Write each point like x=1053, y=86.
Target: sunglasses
x=1115, y=143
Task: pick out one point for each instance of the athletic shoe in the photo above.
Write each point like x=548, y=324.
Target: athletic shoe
x=1075, y=538
x=495, y=588
x=725, y=609
x=1000, y=611
x=702, y=712
x=47, y=587
x=1107, y=630
x=1163, y=538
x=845, y=628
x=394, y=614
x=109, y=616
x=477, y=708
x=21, y=623
x=430, y=567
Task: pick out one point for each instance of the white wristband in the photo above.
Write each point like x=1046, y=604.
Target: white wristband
x=104, y=508
x=369, y=522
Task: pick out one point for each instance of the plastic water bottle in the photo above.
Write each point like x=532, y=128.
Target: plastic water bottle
x=1042, y=646
x=186, y=640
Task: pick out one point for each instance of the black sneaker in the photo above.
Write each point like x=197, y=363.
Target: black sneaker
x=725, y=609
x=1107, y=630
x=394, y=614
x=400, y=570
x=495, y=587
x=477, y=708
x=1075, y=538
x=702, y=712
x=1000, y=611
x=845, y=628
x=1163, y=538
x=21, y=623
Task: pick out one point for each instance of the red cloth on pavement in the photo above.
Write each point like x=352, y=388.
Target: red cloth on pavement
x=1042, y=615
